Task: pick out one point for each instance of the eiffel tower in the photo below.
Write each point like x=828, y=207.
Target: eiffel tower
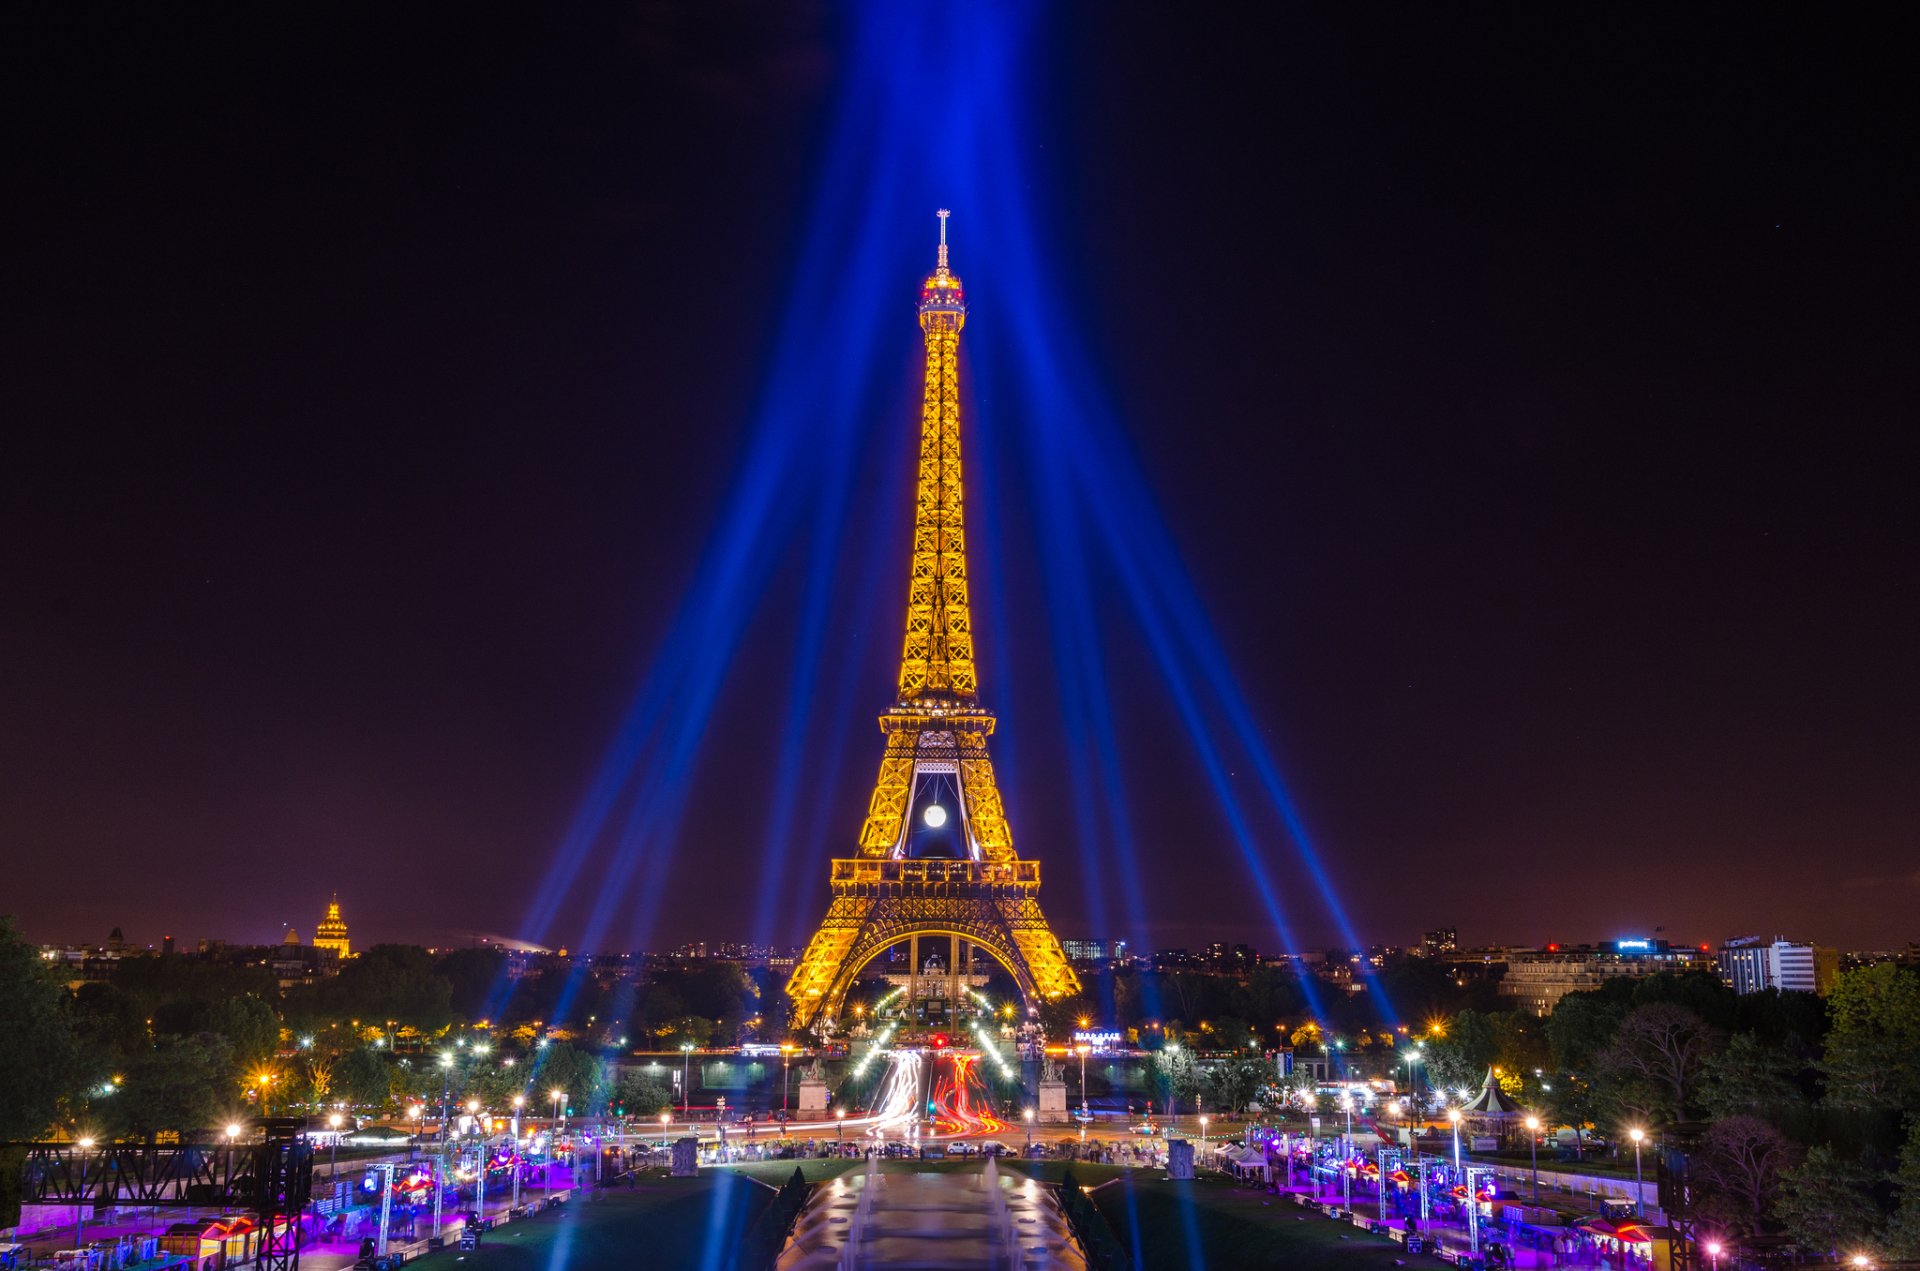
x=936, y=856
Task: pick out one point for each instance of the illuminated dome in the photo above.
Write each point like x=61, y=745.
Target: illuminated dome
x=332, y=931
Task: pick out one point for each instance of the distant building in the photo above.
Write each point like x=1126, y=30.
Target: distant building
x=1094, y=952
x=332, y=931
x=1537, y=981
x=1439, y=941
x=1750, y=964
x=1232, y=957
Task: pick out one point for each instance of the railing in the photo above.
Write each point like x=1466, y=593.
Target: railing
x=763, y=1242
x=863, y=871
x=1097, y=1240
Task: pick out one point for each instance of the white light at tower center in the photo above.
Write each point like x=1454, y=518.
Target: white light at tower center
x=935, y=816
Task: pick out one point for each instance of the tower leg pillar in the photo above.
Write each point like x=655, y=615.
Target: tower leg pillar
x=913, y=976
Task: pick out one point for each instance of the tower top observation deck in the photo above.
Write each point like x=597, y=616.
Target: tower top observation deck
x=943, y=302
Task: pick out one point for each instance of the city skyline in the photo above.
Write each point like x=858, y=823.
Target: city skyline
x=1565, y=585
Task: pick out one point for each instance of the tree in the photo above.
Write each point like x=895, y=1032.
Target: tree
x=1660, y=1047
x=1461, y=1057
x=388, y=982
x=109, y=1027
x=1903, y=1229
x=248, y=1024
x=360, y=1078
x=1176, y=1075
x=1571, y=1102
x=1875, y=1034
x=1229, y=1032
x=1740, y=1160
x=1824, y=1203
x=1580, y=1027
x=473, y=976
x=37, y=1055
x=181, y=1085
x=1234, y=1081
x=1749, y=1076
x=580, y=1076
x=1520, y=1046
x=638, y=1095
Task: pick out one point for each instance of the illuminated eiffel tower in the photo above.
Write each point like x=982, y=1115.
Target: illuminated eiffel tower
x=936, y=856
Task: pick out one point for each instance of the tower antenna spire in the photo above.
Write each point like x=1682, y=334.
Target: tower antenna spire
x=943, y=214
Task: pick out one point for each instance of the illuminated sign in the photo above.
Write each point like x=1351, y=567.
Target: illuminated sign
x=1633, y=944
x=1097, y=1036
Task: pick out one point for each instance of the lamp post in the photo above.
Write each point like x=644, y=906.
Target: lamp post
x=686, y=1080
x=786, y=1053
x=1638, y=1135
x=80, y=1211
x=1173, y=1106
x=1713, y=1253
x=1203, y=1131
x=333, y=1146
x=1083, y=1048
x=446, y=1072
x=1028, y=1115
x=1453, y=1115
x=840, y=1125
x=480, y=1163
x=1533, y=1146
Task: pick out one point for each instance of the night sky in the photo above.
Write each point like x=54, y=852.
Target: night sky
x=1529, y=391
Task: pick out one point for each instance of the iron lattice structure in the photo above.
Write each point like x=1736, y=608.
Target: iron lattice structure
x=984, y=896
x=272, y=1177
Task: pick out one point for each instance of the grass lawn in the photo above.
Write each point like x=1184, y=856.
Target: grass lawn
x=1166, y=1223
x=659, y=1222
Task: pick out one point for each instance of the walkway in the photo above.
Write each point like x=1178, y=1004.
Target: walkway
x=958, y=1220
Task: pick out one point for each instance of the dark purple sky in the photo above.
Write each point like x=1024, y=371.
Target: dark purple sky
x=1532, y=394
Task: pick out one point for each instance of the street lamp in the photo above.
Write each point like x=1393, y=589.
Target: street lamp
x=1713, y=1253
x=556, y=1094
x=1028, y=1114
x=1203, y=1131
x=79, y=1211
x=686, y=1081
x=1083, y=1048
x=786, y=1053
x=333, y=1146
x=1453, y=1115
x=446, y=1072
x=840, y=1124
x=1637, y=1135
x=1533, y=1145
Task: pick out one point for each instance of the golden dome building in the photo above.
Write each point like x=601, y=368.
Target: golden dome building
x=332, y=931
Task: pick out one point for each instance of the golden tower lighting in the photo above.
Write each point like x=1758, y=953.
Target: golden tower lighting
x=936, y=783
